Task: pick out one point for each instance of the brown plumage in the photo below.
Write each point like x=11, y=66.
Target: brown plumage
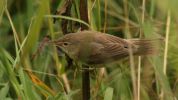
x=91, y=47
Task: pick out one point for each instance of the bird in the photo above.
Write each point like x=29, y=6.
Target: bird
x=93, y=48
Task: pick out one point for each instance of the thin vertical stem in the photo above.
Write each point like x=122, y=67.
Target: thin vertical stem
x=166, y=49
x=99, y=15
x=105, y=14
x=167, y=40
x=84, y=13
x=139, y=58
x=85, y=72
x=66, y=83
x=13, y=27
x=132, y=67
x=86, y=84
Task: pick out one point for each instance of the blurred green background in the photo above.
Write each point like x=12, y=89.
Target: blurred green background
x=24, y=24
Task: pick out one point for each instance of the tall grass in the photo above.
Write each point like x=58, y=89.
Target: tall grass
x=24, y=23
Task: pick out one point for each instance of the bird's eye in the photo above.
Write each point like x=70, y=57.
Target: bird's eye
x=65, y=43
x=125, y=46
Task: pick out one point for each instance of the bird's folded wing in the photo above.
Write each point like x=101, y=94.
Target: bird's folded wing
x=109, y=50
x=114, y=49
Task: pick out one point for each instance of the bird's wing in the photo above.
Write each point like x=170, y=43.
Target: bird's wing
x=107, y=52
x=112, y=44
x=111, y=48
x=107, y=38
x=114, y=50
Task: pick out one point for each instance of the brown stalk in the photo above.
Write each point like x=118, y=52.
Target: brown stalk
x=85, y=72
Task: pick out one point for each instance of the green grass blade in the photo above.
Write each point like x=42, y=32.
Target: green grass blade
x=7, y=66
x=2, y=8
x=27, y=86
x=68, y=18
x=4, y=91
x=34, y=31
x=108, y=94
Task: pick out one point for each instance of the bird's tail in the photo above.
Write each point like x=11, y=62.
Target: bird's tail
x=146, y=46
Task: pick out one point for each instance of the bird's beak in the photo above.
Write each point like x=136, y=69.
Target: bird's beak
x=56, y=43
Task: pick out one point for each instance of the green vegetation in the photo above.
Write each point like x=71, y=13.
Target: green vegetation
x=24, y=24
